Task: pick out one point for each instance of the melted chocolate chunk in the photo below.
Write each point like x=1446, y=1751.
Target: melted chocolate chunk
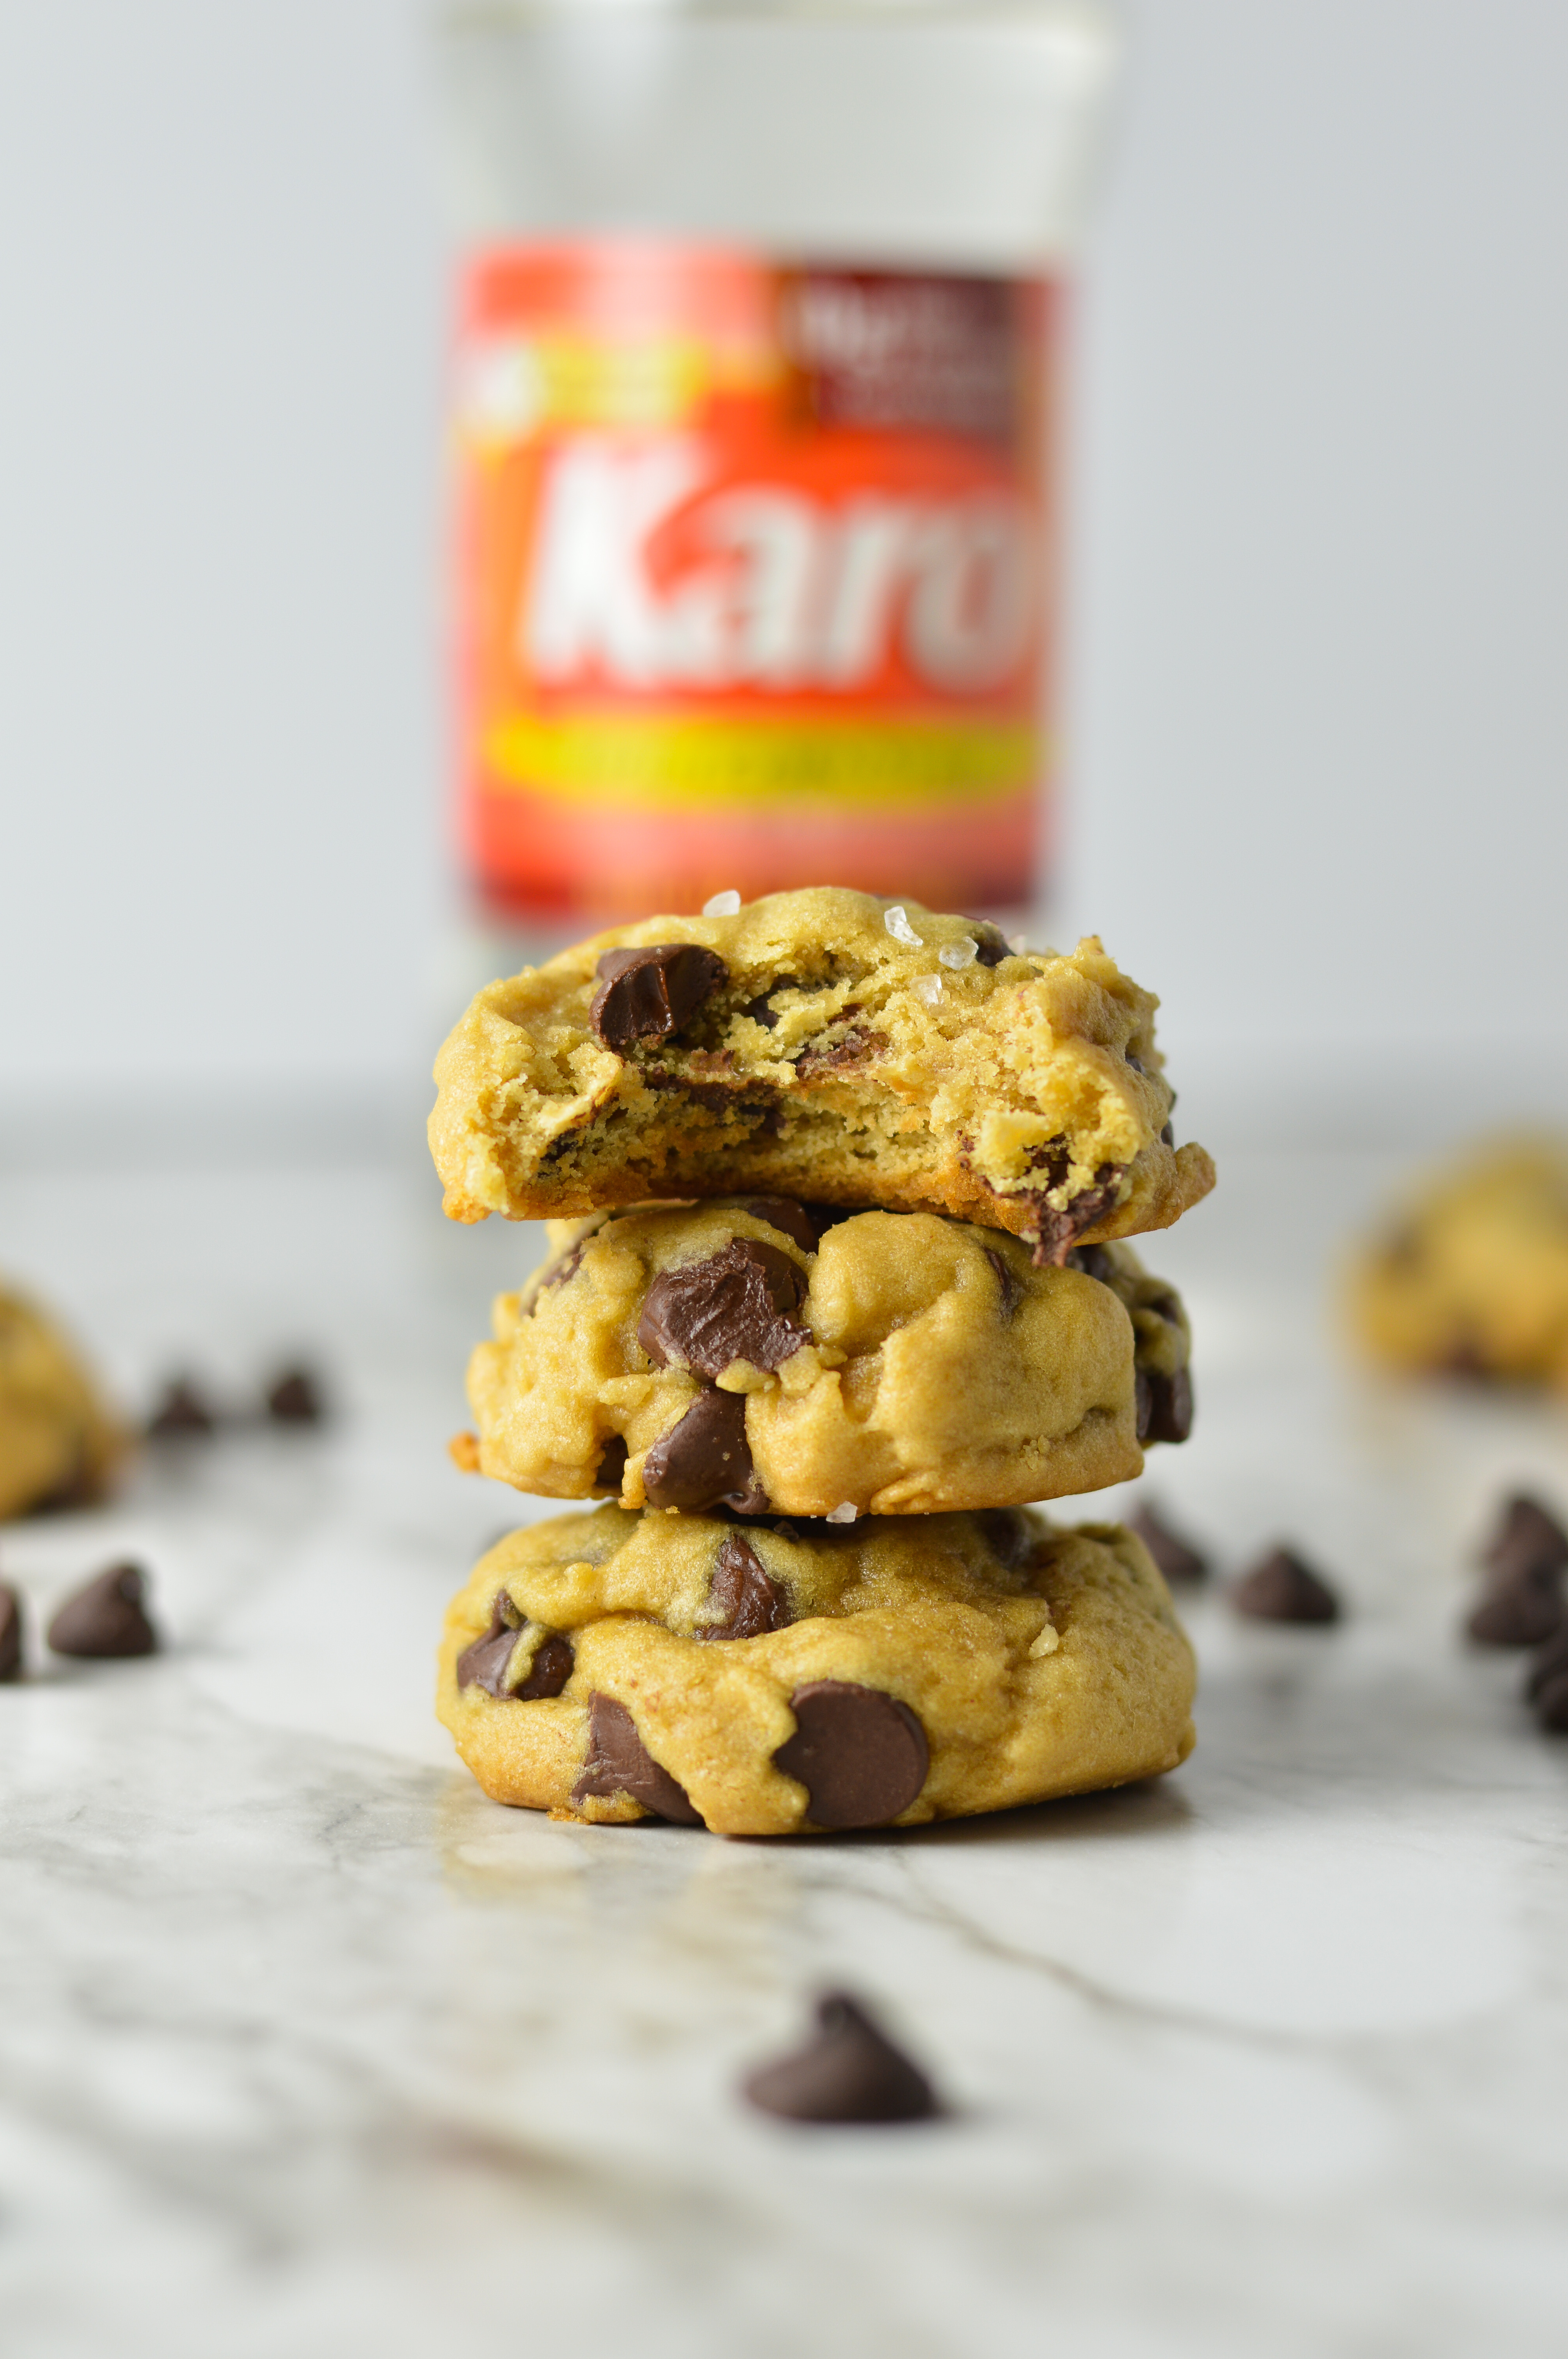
x=611, y=1466
x=790, y=1218
x=620, y=1763
x=704, y=1461
x=1176, y=1557
x=10, y=1635
x=182, y=1410
x=861, y=1755
x=991, y=943
x=1011, y=1539
x=1164, y=1405
x=1054, y=1234
x=107, y=1618
x=649, y=995
x=1521, y=1603
x=1282, y=1588
x=732, y=1306
x=294, y=1399
x=749, y=1603
x=484, y=1665
x=842, y=1057
x=549, y=1671
x=849, y=2071
x=1007, y=1280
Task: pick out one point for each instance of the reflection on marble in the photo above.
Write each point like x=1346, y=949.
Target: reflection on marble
x=307, y=2047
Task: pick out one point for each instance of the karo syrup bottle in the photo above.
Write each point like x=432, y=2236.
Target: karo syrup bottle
x=754, y=408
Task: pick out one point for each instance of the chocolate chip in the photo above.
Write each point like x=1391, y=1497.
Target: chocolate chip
x=620, y=1763
x=705, y=1460
x=1164, y=1405
x=550, y=1670
x=842, y=1056
x=1552, y=1706
x=649, y=995
x=1136, y=1062
x=10, y=1633
x=1522, y=1602
x=1176, y=1557
x=748, y=1602
x=296, y=1398
x=849, y=2071
x=762, y=1010
x=1282, y=1588
x=1011, y=1539
x=182, y=1409
x=556, y=1273
x=1054, y=1234
x=1551, y=1664
x=1167, y=1134
x=484, y=1665
x=861, y=1755
x=107, y=1618
x=731, y=1306
x=1094, y=1261
x=991, y=943
x=790, y=1218
x=612, y=1466
x=1006, y=1278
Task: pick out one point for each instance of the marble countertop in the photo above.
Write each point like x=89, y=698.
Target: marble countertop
x=307, y=2047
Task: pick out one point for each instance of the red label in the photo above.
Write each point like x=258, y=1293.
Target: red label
x=752, y=576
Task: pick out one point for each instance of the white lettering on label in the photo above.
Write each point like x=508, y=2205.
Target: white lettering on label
x=789, y=592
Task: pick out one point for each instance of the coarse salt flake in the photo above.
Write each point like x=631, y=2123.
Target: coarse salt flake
x=723, y=905
x=960, y=954
x=896, y=920
x=927, y=987
x=846, y=1514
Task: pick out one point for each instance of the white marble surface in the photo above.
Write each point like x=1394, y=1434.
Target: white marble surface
x=306, y=2047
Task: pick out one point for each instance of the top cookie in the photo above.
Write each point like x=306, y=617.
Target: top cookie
x=826, y=1045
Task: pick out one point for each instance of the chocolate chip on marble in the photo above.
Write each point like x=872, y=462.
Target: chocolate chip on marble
x=620, y=1763
x=1521, y=1603
x=183, y=1410
x=849, y=2070
x=747, y=1602
x=1282, y=1588
x=1176, y=1559
x=649, y=995
x=10, y=1633
x=859, y=1753
x=991, y=944
x=1164, y=1405
x=1007, y=1280
x=107, y=1618
x=484, y=1665
x=1546, y=1683
x=731, y=1306
x=611, y=1466
x=790, y=1218
x=296, y=1398
x=705, y=1460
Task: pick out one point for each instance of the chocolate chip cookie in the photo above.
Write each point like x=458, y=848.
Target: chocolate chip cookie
x=1471, y=1279
x=763, y=1353
x=59, y=1443
x=776, y=1678
x=825, y=1046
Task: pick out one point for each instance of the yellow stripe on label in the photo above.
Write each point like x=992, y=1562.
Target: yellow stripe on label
x=644, y=763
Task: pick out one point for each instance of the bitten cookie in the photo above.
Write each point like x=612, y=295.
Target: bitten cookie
x=57, y=1442
x=1472, y=1278
x=822, y=1045
x=763, y=1353
x=774, y=1679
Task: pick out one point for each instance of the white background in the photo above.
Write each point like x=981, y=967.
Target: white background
x=1319, y=700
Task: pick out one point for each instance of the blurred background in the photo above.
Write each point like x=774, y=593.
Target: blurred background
x=1316, y=714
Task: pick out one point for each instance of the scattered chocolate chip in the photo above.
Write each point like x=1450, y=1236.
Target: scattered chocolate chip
x=849, y=2071
x=1546, y=1684
x=1527, y=1534
x=182, y=1409
x=296, y=1398
x=1164, y=1405
x=1176, y=1557
x=1282, y=1588
x=991, y=943
x=1521, y=1603
x=748, y=1602
x=649, y=995
x=484, y=1665
x=549, y=1672
x=790, y=1218
x=612, y=1466
x=704, y=1459
x=842, y=1056
x=1056, y=1233
x=732, y=1306
x=107, y=1618
x=1167, y=1134
x=860, y=1754
x=620, y=1763
x=10, y=1633
x=1011, y=1539
x=1006, y=1278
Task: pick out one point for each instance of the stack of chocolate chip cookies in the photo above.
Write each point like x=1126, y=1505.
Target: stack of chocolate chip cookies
x=836, y=1192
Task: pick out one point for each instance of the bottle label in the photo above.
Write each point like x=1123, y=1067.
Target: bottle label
x=752, y=577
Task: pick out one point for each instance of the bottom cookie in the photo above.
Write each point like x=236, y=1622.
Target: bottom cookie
x=779, y=1677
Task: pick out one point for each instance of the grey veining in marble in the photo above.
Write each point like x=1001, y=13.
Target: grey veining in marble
x=306, y=2047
